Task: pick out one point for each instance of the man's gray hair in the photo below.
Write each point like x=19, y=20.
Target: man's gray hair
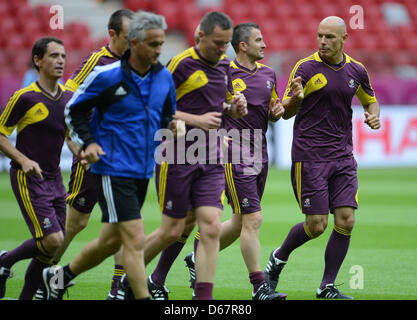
x=142, y=21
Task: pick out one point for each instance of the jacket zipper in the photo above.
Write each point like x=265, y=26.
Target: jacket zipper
x=111, y=145
x=147, y=141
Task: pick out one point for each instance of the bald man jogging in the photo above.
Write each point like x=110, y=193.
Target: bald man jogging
x=324, y=172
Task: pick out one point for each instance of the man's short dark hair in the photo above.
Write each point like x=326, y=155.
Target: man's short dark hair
x=215, y=18
x=40, y=47
x=116, y=19
x=242, y=32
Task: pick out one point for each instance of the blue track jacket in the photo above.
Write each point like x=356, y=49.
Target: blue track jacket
x=123, y=124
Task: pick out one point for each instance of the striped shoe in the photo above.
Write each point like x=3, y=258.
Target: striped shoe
x=331, y=292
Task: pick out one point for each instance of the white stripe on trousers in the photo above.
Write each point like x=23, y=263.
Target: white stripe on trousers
x=108, y=195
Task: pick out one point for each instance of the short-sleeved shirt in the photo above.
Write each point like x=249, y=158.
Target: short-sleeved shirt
x=201, y=87
x=323, y=124
x=100, y=57
x=259, y=87
x=39, y=120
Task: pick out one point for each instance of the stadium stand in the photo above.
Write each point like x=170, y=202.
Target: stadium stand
x=386, y=45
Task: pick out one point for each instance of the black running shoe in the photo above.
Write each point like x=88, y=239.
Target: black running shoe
x=273, y=270
x=331, y=292
x=55, y=287
x=125, y=291
x=157, y=291
x=190, y=263
x=266, y=293
x=41, y=293
x=5, y=274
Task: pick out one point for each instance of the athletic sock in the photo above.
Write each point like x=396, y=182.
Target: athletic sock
x=256, y=279
x=117, y=275
x=166, y=260
x=203, y=291
x=335, y=253
x=298, y=235
x=33, y=279
x=28, y=249
x=68, y=275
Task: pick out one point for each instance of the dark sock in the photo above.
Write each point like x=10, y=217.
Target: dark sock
x=68, y=275
x=166, y=260
x=257, y=279
x=336, y=251
x=118, y=273
x=33, y=279
x=203, y=291
x=28, y=249
x=295, y=238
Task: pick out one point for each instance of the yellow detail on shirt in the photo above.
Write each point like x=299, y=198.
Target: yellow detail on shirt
x=315, y=83
x=35, y=114
x=196, y=80
x=238, y=85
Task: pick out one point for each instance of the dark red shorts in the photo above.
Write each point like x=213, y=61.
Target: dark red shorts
x=182, y=187
x=322, y=186
x=42, y=202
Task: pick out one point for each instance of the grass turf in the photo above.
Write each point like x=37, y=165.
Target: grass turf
x=383, y=244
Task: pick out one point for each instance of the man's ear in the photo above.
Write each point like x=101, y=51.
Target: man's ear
x=112, y=33
x=36, y=60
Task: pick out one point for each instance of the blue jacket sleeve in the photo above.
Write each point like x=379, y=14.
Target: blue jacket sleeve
x=78, y=109
x=170, y=104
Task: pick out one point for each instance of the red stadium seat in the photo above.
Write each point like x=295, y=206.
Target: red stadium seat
x=283, y=10
x=136, y=5
x=260, y=12
x=240, y=12
x=43, y=15
x=31, y=26
x=170, y=10
x=4, y=9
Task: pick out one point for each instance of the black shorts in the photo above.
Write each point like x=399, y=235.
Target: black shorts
x=120, y=199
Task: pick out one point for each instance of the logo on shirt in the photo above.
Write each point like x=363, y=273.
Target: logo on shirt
x=351, y=83
x=120, y=91
x=268, y=84
x=238, y=85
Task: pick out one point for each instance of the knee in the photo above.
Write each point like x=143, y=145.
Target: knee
x=171, y=233
x=111, y=245
x=253, y=221
x=211, y=229
x=52, y=242
x=189, y=226
x=344, y=218
x=316, y=228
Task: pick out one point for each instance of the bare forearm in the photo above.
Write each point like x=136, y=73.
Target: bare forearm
x=291, y=106
x=188, y=118
x=10, y=151
x=373, y=108
x=72, y=146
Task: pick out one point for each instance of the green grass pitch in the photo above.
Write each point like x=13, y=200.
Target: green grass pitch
x=383, y=250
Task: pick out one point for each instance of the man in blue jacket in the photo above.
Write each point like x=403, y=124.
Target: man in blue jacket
x=132, y=99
